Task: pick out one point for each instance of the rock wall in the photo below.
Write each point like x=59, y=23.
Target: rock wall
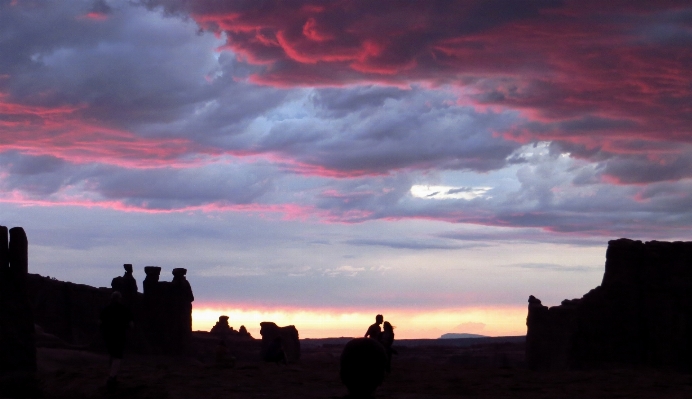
x=67, y=310
x=17, y=346
x=641, y=314
x=163, y=313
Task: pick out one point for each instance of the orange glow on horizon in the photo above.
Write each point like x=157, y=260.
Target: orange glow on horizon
x=409, y=323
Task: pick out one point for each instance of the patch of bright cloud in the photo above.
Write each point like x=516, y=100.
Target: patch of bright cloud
x=448, y=192
x=346, y=270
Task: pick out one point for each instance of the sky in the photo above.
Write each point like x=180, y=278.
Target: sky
x=318, y=162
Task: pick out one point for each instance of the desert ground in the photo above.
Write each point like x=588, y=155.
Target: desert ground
x=422, y=369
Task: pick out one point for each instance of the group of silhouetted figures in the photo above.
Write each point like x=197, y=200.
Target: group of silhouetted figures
x=385, y=336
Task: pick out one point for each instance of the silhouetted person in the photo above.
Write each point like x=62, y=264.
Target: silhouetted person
x=126, y=285
x=387, y=339
x=223, y=359
x=275, y=352
x=374, y=330
x=363, y=363
x=115, y=319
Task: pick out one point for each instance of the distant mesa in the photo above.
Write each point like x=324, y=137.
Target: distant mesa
x=640, y=315
x=461, y=335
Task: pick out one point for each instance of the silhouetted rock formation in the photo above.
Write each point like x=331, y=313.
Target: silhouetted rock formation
x=641, y=314
x=242, y=331
x=181, y=307
x=153, y=302
x=222, y=328
x=363, y=364
x=289, y=340
x=17, y=346
x=168, y=309
x=163, y=314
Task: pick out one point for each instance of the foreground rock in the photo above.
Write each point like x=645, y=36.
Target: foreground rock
x=641, y=314
x=286, y=336
x=362, y=366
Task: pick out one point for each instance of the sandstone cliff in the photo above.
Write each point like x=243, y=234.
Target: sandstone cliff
x=641, y=314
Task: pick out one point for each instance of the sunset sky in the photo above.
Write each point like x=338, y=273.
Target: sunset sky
x=317, y=162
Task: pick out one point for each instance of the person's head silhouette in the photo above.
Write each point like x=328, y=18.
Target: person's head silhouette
x=379, y=319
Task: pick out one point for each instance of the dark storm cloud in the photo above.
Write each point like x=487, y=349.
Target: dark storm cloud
x=608, y=74
x=129, y=69
x=109, y=103
x=143, y=78
x=51, y=179
x=417, y=130
x=368, y=99
x=641, y=169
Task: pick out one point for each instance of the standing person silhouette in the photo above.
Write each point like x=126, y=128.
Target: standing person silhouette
x=387, y=339
x=115, y=319
x=374, y=330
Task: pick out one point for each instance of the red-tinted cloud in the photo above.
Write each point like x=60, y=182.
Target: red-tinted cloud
x=95, y=16
x=37, y=130
x=593, y=75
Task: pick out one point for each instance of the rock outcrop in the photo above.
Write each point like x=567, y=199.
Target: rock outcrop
x=222, y=328
x=641, y=314
x=288, y=337
x=17, y=346
x=67, y=310
x=242, y=331
x=70, y=312
x=168, y=311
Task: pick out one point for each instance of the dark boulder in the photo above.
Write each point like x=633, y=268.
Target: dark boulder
x=363, y=364
x=288, y=337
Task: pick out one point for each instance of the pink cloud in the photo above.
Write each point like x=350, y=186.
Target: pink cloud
x=554, y=62
x=94, y=16
x=285, y=211
x=58, y=132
